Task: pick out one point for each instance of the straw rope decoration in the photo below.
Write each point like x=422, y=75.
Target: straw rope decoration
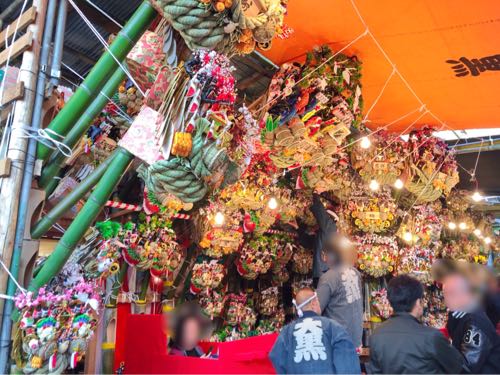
x=201, y=26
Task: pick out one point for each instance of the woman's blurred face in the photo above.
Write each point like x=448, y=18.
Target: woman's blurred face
x=191, y=334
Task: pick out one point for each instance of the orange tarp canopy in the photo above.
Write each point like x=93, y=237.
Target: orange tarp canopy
x=420, y=37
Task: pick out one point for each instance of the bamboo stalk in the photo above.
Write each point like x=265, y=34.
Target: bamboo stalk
x=48, y=220
x=83, y=220
x=100, y=73
x=56, y=162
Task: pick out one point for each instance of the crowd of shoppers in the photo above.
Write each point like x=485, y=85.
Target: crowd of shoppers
x=330, y=320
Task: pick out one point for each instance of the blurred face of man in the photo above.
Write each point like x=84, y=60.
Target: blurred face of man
x=341, y=250
x=190, y=334
x=457, y=293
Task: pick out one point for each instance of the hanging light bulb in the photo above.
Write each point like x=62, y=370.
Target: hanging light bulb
x=219, y=219
x=452, y=225
x=477, y=197
x=477, y=232
x=408, y=237
x=462, y=226
x=365, y=142
x=374, y=185
x=273, y=203
x=487, y=240
x=399, y=184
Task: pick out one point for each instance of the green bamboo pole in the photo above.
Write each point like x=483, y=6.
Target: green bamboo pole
x=48, y=220
x=83, y=220
x=100, y=73
x=56, y=162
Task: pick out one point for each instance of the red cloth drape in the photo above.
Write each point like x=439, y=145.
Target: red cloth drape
x=146, y=352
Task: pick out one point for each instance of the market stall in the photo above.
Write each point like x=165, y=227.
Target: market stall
x=178, y=188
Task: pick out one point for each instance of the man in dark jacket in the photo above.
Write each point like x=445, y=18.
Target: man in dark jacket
x=326, y=227
x=471, y=332
x=313, y=344
x=402, y=345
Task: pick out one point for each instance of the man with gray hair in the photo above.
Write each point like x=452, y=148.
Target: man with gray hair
x=313, y=344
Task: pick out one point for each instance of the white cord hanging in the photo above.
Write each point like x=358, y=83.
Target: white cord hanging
x=6, y=269
x=42, y=136
x=379, y=95
x=100, y=10
x=124, y=115
x=105, y=44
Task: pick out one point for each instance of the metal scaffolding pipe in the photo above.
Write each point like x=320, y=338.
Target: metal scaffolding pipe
x=471, y=147
x=57, y=49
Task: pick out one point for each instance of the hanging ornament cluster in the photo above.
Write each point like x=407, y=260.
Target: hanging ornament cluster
x=421, y=225
x=435, y=311
x=191, y=159
x=239, y=318
x=271, y=324
x=417, y=261
x=212, y=303
x=221, y=230
x=269, y=301
x=382, y=161
x=57, y=323
x=256, y=257
x=313, y=107
x=130, y=98
x=206, y=275
x=433, y=169
x=170, y=206
x=336, y=178
x=302, y=260
x=372, y=214
x=148, y=245
x=381, y=308
x=377, y=255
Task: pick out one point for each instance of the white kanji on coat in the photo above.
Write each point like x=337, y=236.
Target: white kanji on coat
x=309, y=336
x=351, y=285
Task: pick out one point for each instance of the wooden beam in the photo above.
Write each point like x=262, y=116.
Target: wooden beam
x=20, y=45
x=27, y=18
x=13, y=93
